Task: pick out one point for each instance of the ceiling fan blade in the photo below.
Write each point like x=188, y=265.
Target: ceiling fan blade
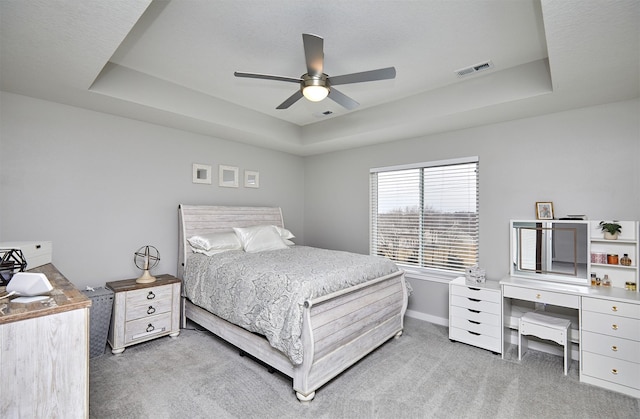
x=266, y=76
x=313, y=53
x=342, y=99
x=371, y=75
x=291, y=100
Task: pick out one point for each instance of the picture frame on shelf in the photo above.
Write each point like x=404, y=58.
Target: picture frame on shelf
x=544, y=210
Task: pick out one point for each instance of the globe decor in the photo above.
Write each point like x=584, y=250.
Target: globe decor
x=146, y=258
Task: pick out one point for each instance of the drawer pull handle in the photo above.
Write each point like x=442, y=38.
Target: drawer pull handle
x=538, y=296
x=473, y=333
x=614, y=308
x=474, y=322
x=151, y=295
x=151, y=310
x=614, y=348
x=614, y=326
x=475, y=300
x=474, y=289
x=150, y=328
x=474, y=311
x=614, y=371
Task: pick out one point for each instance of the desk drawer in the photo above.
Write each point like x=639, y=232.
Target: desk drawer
x=610, y=369
x=482, y=341
x=626, y=349
x=473, y=304
x=538, y=296
x=611, y=307
x=607, y=324
x=476, y=293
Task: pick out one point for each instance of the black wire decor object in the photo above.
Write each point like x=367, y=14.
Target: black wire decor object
x=11, y=262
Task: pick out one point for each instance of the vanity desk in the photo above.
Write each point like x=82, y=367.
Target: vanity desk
x=552, y=269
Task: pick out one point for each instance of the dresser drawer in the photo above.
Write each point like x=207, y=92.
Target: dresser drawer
x=473, y=304
x=474, y=326
x=611, y=369
x=146, y=328
x=626, y=349
x=148, y=294
x=488, y=317
x=611, y=325
x=482, y=341
x=538, y=296
x=611, y=307
x=147, y=308
x=476, y=293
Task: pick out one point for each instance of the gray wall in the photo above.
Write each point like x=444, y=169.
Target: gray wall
x=101, y=186
x=585, y=161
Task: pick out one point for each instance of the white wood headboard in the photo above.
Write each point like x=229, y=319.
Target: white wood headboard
x=206, y=219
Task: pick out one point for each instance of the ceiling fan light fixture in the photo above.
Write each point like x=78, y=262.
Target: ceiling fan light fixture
x=315, y=93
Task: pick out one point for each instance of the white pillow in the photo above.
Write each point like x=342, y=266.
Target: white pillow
x=260, y=238
x=215, y=242
x=284, y=233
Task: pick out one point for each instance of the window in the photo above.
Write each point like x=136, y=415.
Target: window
x=426, y=215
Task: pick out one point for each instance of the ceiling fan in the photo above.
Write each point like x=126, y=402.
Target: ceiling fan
x=316, y=85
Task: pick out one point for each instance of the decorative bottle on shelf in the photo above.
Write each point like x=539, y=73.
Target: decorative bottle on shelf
x=606, y=282
x=625, y=260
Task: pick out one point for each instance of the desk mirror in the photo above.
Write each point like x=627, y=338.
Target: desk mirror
x=550, y=250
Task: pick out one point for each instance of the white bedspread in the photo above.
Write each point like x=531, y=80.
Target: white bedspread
x=265, y=292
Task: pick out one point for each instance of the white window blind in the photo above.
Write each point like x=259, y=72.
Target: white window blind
x=426, y=215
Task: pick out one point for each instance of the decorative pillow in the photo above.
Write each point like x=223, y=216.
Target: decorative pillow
x=260, y=238
x=284, y=233
x=215, y=242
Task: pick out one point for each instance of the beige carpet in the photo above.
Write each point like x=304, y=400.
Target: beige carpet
x=420, y=375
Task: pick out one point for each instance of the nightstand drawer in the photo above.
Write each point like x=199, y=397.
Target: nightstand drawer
x=488, y=317
x=143, y=329
x=619, y=348
x=148, y=294
x=611, y=307
x=476, y=293
x=146, y=309
x=607, y=324
x=610, y=369
x=538, y=296
x=473, y=304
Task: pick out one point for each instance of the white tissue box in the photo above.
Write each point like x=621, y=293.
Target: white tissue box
x=37, y=253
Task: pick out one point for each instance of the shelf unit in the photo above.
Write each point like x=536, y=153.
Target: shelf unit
x=627, y=242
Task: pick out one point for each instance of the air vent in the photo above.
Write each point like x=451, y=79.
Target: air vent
x=323, y=114
x=474, y=69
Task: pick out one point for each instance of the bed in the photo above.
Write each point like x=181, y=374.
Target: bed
x=337, y=329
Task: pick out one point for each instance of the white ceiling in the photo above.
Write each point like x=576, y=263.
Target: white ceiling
x=172, y=63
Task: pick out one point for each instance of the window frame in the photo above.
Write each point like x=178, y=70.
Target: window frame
x=420, y=268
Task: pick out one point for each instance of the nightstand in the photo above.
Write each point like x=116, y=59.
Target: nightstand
x=142, y=312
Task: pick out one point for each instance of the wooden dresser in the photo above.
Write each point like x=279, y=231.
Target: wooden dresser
x=44, y=353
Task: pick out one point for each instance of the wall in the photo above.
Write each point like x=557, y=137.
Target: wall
x=101, y=186
x=585, y=161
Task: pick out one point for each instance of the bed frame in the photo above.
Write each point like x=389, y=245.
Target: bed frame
x=338, y=329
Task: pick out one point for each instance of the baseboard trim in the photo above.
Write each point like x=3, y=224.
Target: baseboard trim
x=427, y=317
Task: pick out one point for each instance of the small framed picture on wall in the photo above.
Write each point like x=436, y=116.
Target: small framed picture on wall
x=544, y=210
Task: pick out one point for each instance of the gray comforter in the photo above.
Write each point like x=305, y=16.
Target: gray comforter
x=265, y=292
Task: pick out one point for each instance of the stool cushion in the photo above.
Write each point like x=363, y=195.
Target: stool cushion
x=543, y=319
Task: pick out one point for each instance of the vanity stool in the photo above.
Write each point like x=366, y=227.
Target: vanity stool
x=547, y=327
